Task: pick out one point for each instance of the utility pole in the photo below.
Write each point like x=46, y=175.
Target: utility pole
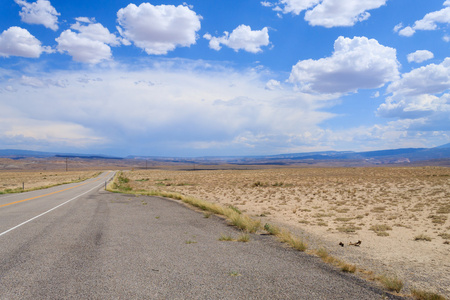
x=66, y=163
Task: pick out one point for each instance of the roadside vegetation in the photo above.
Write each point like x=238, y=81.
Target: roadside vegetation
x=380, y=216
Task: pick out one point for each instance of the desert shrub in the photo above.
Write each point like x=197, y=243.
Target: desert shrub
x=348, y=229
x=422, y=237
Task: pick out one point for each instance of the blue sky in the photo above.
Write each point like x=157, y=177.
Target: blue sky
x=224, y=77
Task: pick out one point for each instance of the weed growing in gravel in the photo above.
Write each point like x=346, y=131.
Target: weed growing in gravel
x=225, y=238
x=244, y=238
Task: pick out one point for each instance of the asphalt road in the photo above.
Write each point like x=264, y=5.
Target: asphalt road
x=100, y=245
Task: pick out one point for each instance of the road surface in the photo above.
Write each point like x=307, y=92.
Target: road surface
x=80, y=242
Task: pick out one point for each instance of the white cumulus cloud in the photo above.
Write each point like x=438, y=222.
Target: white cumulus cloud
x=421, y=95
x=40, y=12
x=429, y=22
x=242, y=38
x=333, y=13
x=89, y=42
x=358, y=63
x=158, y=29
x=430, y=79
x=420, y=56
x=295, y=6
x=328, y=13
x=415, y=107
x=273, y=84
x=407, y=31
x=16, y=41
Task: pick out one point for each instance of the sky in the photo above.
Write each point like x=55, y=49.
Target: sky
x=223, y=77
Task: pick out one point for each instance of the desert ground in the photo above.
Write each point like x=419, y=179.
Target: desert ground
x=400, y=215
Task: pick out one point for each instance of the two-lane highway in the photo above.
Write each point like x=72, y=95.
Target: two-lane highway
x=81, y=242
x=17, y=210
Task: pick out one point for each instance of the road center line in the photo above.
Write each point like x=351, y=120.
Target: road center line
x=52, y=193
x=15, y=227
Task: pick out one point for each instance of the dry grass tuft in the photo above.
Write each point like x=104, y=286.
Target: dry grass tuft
x=348, y=268
x=286, y=237
x=243, y=238
x=348, y=229
x=226, y=237
x=345, y=267
x=391, y=283
x=380, y=230
x=423, y=295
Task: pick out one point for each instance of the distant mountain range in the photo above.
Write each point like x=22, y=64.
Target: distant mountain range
x=391, y=156
x=20, y=154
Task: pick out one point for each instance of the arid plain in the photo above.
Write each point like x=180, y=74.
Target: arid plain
x=400, y=215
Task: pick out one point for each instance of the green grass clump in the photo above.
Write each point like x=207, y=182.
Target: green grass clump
x=121, y=183
x=271, y=229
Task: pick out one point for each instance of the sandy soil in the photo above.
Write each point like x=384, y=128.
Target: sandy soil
x=15, y=181
x=400, y=215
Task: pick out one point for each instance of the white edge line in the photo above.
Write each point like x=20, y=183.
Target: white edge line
x=17, y=226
